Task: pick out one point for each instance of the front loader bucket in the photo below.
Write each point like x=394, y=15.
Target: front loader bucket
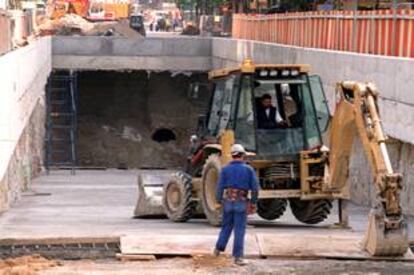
x=150, y=189
x=380, y=241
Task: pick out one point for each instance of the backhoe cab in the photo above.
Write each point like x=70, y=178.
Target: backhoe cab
x=293, y=165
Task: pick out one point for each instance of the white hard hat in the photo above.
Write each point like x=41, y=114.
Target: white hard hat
x=237, y=149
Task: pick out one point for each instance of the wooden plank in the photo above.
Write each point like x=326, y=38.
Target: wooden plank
x=180, y=245
x=328, y=246
x=142, y=257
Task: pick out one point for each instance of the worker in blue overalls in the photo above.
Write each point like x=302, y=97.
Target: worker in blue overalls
x=236, y=180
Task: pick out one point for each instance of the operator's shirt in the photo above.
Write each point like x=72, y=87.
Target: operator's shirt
x=278, y=117
x=237, y=174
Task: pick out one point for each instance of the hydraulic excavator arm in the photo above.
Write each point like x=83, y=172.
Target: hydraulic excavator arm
x=357, y=115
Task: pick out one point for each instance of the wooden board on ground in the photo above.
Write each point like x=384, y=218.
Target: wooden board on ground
x=179, y=245
x=330, y=246
x=126, y=258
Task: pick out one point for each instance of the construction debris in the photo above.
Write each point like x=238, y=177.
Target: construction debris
x=72, y=24
x=120, y=28
x=191, y=30
x=66, y=25
x=27, y=265
x=211, y=262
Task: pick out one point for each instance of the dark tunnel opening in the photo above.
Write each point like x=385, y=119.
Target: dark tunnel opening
x=136, y=119
x=163, y=135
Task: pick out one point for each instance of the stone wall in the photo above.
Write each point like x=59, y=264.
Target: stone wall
x=27, y=159
x=24, y=74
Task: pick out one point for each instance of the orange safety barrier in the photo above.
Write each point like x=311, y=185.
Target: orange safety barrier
x=381, y=32
x=119, y=10
x=5, y=33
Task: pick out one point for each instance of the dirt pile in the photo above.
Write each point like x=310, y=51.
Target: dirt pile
x=210, y=262
x=191, y=30
x=135, y=120
x=26, y=265
x=66, y=25
x=71, y=24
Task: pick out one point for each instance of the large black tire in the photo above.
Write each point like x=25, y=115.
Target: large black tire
x=210, y=176
x=310, y=212
x=271, y=209
x=177, y=198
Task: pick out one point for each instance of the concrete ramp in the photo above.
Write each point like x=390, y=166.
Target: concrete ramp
x=306, y=246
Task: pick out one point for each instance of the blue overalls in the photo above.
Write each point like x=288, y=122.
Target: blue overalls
x=240, y=176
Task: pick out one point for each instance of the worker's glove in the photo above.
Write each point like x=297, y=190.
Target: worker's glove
x=217, y=206
x=283, y=124
x=251, y=208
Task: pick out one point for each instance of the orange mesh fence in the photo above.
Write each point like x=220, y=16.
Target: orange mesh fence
x=381, y=32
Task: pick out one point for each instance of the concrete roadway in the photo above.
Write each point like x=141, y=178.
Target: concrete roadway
x=101, y=203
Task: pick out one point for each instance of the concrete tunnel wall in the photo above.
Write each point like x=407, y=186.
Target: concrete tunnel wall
x=24, y=74
x=115, y=53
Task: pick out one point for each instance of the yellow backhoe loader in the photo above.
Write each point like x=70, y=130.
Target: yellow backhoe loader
x=292, y=161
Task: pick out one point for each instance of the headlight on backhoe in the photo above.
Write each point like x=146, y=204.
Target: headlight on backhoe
x=294, y=73
x=264, y=73
x=285, y=72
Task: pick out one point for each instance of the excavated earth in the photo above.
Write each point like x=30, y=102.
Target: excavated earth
x=119, y=114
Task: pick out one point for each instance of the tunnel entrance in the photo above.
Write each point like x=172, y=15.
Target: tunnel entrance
x=136, y=119
x=163, y=135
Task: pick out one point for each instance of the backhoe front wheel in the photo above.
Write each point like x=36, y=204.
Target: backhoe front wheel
x=210, y=176
x=312, y=211
x=177, y=198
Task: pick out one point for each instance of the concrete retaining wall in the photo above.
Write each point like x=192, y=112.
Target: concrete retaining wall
x=24, y=75
x=109, y=53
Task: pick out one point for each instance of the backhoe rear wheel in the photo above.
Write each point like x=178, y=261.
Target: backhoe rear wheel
x=210, y=176
x=271, y=209
x=310, y=212
x=177, y=198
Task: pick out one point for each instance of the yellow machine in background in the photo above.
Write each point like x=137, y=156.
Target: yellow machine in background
x=294, y=165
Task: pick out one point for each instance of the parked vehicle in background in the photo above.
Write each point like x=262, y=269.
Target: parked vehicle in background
x=136, y=22
x=97, y=12
x=60, y=8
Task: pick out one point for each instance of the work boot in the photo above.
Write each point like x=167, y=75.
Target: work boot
x=216, y=252
x=240, y=261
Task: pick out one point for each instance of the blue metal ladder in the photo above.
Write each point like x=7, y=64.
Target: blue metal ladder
x=61, y=127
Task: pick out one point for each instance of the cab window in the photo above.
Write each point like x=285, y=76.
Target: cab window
x=321, y=104
x=221, y=107
x=245, y=125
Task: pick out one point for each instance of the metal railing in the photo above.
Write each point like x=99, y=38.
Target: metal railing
x=382, y=32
